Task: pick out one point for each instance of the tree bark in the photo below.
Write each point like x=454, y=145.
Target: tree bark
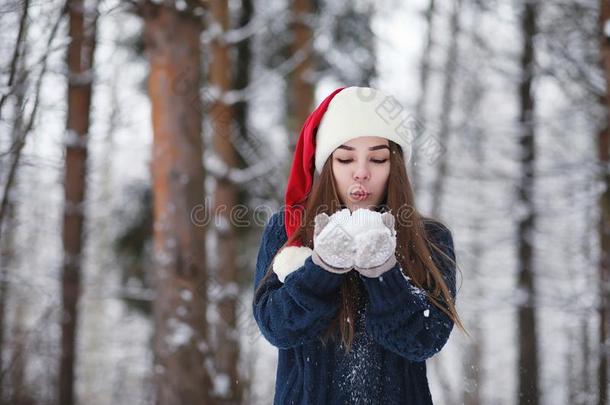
x=82, y=28
x=181, y=351
x=301, y=95
x=450, y=72
x=420, y=108
x=222, y=118
x=7, y=207
x=603, y=145
x=527, y=365
x=475, y=348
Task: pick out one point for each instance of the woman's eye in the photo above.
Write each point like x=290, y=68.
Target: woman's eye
x=378, y=161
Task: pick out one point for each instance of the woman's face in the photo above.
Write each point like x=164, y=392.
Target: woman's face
x=361, y=168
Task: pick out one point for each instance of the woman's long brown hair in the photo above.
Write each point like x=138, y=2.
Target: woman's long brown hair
x=412, y=243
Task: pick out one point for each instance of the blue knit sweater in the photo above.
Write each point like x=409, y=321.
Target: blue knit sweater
x=396, y=331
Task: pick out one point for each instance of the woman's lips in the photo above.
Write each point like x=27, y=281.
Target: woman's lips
x=358, y=192
x=360, y=195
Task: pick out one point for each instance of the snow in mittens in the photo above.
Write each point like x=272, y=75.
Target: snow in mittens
x=371, y=236
x=374, y=247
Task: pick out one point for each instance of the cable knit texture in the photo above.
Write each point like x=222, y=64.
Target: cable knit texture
x=397, y=329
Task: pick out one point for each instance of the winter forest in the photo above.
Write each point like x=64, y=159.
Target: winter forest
x=144, y=144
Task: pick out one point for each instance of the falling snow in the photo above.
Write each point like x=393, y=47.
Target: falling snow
x=222, y=385
x=186, y=295
x=359, y=370
x=179, y=334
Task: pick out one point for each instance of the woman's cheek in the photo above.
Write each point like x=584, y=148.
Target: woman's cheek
x=383, y=172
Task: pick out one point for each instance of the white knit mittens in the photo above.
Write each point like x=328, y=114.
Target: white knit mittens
x=333, y=245
x=364, y=240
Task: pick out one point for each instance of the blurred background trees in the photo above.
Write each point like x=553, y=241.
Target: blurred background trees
x=144, y=144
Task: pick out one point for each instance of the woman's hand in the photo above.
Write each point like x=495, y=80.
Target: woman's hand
x=375, y=241
x=334, y=248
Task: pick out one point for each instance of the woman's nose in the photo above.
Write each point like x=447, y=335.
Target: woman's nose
x=361, y=173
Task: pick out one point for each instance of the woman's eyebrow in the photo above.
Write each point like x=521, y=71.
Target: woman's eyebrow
x=379, y=147
x=371, y=148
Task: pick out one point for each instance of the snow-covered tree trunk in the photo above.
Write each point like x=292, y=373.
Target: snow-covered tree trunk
x=474, y=351
x=15, y=367
x=449, y=83
x=603, y=146
x=424, y=76
x=527, y=363
x=181, y=350
x=301, y=87
x=82, y=30
x=8, y=209
x=226, y=380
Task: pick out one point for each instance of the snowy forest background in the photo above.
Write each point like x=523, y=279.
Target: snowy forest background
x=144, y=144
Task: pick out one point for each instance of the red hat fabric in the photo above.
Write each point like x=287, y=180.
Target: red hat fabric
x=302, y=169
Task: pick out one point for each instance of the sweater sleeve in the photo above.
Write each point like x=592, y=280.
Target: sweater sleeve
x=400, y=317
x=299, y=310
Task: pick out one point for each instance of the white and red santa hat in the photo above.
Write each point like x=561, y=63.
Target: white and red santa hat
x=347, y=113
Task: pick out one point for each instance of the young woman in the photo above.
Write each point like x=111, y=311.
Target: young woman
x=353, y=285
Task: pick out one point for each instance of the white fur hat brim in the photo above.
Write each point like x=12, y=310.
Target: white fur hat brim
x=362, y=111
x=290, y=259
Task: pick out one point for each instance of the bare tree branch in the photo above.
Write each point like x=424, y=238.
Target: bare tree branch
x=16, y=54
x=20, y=141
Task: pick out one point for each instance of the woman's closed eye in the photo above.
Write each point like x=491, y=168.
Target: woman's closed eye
x=378, y=161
